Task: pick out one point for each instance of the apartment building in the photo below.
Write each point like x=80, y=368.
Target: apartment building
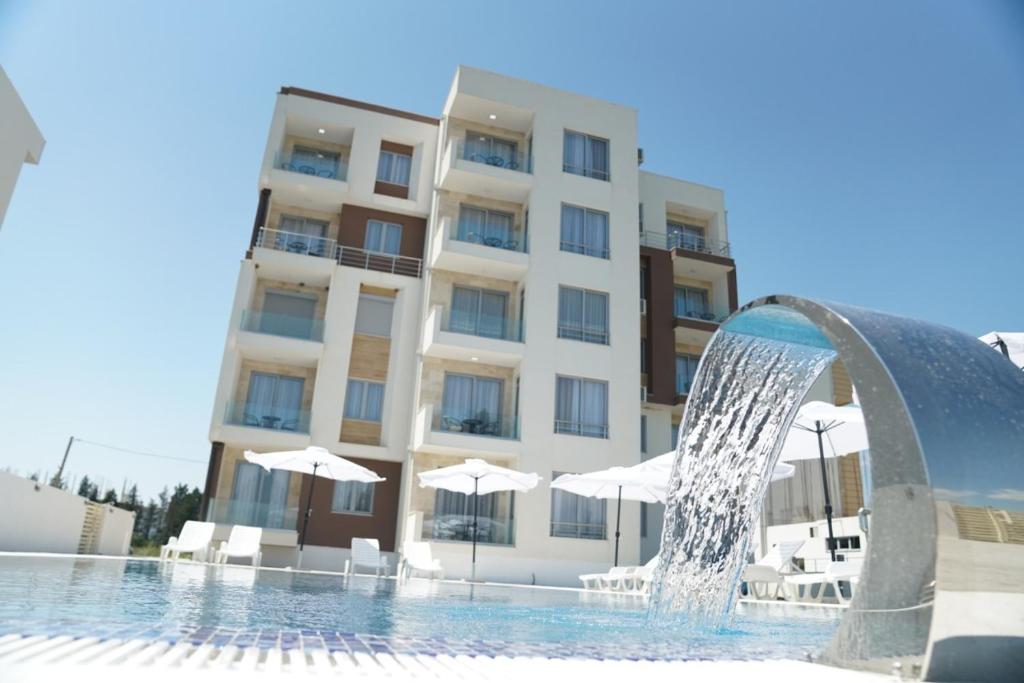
x=20, y=140
x=502, y=282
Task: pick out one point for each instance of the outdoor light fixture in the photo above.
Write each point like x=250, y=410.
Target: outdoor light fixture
x=321, y=131
x=474, y=359
x=492, y=116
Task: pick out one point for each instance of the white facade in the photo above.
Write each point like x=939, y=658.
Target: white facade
x=20, y=140
x=490, y=182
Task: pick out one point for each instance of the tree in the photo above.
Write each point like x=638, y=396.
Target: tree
x=110, y=497
x=182, y=506
x=85, y=486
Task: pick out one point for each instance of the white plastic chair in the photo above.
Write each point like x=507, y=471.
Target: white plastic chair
x=644, y=576
x=417, y=557
x=243, y=542
x=195, y=538
x=366, y=553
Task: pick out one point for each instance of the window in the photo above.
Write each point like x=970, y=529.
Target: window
x=472, y=404
x=258, y=498
x=314, y=162
x=453, y=517
x=487, y=149
x=686, y=371
x=673, y=436
x=373, y=315
x=643, y=433
x=352, y=497
x=384, y=238
x=301, y=225
x=393, y=168
x=480, y=312
x=690, y=302
x=847, y=542
x=582, y=315
x=274, y=402
x=685, y=236
x=643, y=355
x=484, y=226
x=574, y=516
x=584, y=231
x=581, y=407
x=364, y=400
x=585, y=155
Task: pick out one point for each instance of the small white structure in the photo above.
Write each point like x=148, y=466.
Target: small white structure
x=41, y=518
x=20, y=140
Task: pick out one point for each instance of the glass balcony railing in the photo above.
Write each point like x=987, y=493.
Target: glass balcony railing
x=481, y=423
x=283, y=325
x=458, y=526
x=683, y=385
x=479, y=325
x=282, y=419
x=509, y=240
x=296, y=243
x=318, y=164
x=697, y=313
x=492, y=155
x=251, y=513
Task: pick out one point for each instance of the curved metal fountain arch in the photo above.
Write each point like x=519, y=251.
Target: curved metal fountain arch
x=945, y=420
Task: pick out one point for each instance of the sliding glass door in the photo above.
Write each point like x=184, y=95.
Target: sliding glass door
x=259, y=497
x=478, y=311
x=274, y=401
x=471, y=404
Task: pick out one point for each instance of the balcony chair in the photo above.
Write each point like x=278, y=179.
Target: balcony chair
x=450, y=424
x=511, y=245
x=290, y=426
x=250, y=420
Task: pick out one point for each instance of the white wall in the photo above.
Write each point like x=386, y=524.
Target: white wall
x=20, y=140
x=40, y=518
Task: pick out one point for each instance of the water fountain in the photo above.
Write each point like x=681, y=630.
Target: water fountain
x=939, y=598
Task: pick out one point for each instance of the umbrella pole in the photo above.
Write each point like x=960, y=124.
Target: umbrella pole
x=819, y=430
x=476, y=482
x=305, y=521
x=618, y=516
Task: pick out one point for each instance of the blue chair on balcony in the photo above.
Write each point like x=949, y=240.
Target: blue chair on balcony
x=450, y=424
x=511, y=245
x=290, y=426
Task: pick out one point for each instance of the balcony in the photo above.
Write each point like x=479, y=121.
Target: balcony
x=695, y=327
x=286, y=256
x=482, y=339
x=501, y=176
x=313, y=164
x=682, y=390
x=479, y=435
x=228, y=511
x=279, y=419
x=686, y=243
x=308, y=180
x=354, y=257
x=499, y=256
x=281, y=325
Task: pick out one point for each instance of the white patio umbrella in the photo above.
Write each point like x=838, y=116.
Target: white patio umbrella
x=318, y=462
x=817, y=421
x=1010, y=344
x=616, y=483
x=477, y=478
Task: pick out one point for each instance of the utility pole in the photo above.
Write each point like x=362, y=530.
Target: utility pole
x=60, y=470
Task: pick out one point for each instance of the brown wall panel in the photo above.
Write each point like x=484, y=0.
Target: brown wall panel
x=391, y=190
x=395, y=147
x=352, y=230
x=337, y=530
x=661, y=361
x=212, y=474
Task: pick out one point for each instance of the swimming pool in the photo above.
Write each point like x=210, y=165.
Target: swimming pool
x=203, y=603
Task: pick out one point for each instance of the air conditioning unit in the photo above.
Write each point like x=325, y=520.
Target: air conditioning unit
x=643, y=394
x=643, y=306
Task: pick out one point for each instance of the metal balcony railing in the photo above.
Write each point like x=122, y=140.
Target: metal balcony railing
x=371, y=260
x=694, y=243
x=296, y=243
x=599, y=431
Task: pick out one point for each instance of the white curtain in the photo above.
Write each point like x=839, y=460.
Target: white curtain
x=259, y=498
x=574, y=153
x=597, y=163
x=465, y=308
x=570, y=313
x=567, y=401
x=458, y=397
x=374, y=401
x=595, y=318
x=453, y=517
x=383, y=237
x=576, y=516
x=472, y=224
x=686, y=370
x=486, y=399
x=492, y=314
x=596, y=235
x=573, y=221
x=690, y=302
x=594, y=408
x=354, y=399
x=499, y=226
x=400, y=174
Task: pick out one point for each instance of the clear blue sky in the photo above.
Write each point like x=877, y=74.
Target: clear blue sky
x=871, y=153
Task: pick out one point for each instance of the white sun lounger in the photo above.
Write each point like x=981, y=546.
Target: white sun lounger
x=366, y=553
x=817, y=583
x=765, y=577
x=243, y=542
x=195, y=538
x=417, y=557
x=644, y=576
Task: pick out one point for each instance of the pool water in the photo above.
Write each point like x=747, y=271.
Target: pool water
x=80, y=596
